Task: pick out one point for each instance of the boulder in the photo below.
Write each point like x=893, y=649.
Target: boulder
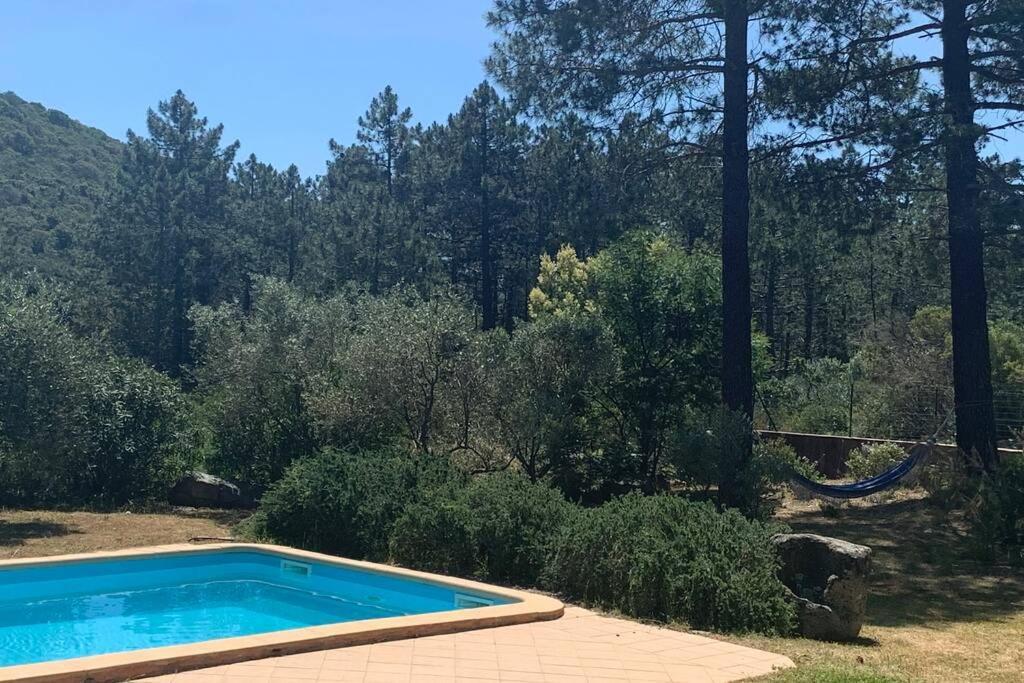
x=201, y=490
x=827, y=580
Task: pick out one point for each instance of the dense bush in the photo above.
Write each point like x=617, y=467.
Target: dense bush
x=79, y=425
x=709, y=447
x=655, y=557
x=419, y=369
x=513, y=523
x=347, y=503
x=295, y=374
x=552, y=371
x=769, y=471
x=498, y=528
x=997, y=513
x=256, y=371
x=659, y=303
x=666, y=558
x=435, y=535
x=813, y=397
x=872, y=459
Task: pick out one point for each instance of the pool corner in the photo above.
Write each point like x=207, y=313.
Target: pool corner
x=519, y=607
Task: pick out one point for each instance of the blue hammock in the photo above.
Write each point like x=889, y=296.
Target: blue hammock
x=867, y=487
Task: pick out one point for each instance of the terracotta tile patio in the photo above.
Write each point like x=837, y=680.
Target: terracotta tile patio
x=581, y=647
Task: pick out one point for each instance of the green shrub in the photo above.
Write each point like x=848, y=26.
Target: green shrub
x=80, y=425
x=711, y=446
x=514, y=521
x=771, y=466
x=435, y=535
x=947, y=479
x=346, y=503
x=257, y=373
x=872, y=459
x=780, y=456
x=813, y=397
x=997, y=513
x=666, y=558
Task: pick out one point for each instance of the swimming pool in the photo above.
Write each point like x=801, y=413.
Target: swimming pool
x=190, y=606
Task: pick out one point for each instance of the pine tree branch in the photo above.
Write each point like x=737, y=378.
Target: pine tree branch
x=997, y=53
x=987, y=72
x=930, y=26
x=1008, y=106
x=1009, y=124
x=682, y=21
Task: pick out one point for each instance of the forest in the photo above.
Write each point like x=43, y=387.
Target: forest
x=645, y=222
x=566, y=338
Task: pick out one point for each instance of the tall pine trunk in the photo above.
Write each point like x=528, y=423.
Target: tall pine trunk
x=488, y=284
x=179, y=321
x=810, y=311
x=737, y=375
x=972, y=373
x=769, y=303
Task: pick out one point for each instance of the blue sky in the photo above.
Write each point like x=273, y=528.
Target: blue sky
x=283, y=77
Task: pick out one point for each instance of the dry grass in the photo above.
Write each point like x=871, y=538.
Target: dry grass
x=39, y=533
x=934, y=614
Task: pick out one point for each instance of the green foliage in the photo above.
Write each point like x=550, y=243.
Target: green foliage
x=54, y=172
x=814, y=397
x=347, y=502
x=160, y=232
x=513, y=522
x=79, y=425
x=666, y=558
x=498, y=528
x=709, y=446
x=905, y=379
x=661, y=305
x=658, y=557
x=997, y=513
x=435, y=535
x=785, y=458
x=415, y=366
x=872, y=459
x=763, y=479
x=552, y=374
x=256, y=371
x=705, y=445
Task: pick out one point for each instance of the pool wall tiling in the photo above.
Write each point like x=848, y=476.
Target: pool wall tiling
x=232, y=603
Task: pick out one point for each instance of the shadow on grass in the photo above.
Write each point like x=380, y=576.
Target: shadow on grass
x=16, y=533
x=228, y=518
x=863, y=641
x=923, y=568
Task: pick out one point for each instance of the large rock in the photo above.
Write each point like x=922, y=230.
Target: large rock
x=201, y=490
x=828, y=583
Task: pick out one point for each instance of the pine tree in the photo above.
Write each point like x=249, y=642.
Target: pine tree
x=475, y=162
x=979, y=71
x=384, y=129
x=367, y=191
x=664, y=62
x=163, y=228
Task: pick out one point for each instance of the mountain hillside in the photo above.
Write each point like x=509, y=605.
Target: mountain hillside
x=53, y=175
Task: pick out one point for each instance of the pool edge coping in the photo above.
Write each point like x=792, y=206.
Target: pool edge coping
x=527, y=607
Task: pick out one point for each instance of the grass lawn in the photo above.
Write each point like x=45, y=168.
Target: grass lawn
x=38, y=533
x=934, y=614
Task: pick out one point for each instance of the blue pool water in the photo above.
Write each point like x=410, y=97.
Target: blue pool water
x=60, y=611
